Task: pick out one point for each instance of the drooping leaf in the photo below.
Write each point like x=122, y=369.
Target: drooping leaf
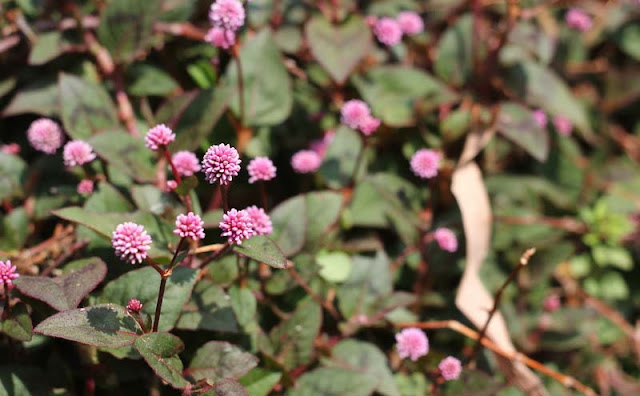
x=341, y=158
x=17, y=323
x=217, y=360
x=67, y=291
x=105, y=325
x=160, y=351
x=264, y=250
x=209, y=308
x=516, y=123
x=126, y=153
x=332, y=382
x=260, y=382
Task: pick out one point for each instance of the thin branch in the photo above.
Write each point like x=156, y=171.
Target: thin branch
x=326, y=305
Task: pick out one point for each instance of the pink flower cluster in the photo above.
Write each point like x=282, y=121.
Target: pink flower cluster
x=8, y=273
x=552, y=303
x=261, y=220
x=563, y=125
x=189, y=226
x=540, y=118
x=578, y=19
x=159, y=136
x=412, y=343
x=306, y=161
x=186, y=163
x=221, y=163
x=320, y=146
x=220, y=37
x=450, y=368
x=425, y=163
x=389, y=31
x=237, y=225
x=77, y=152
x=226, y=17
x=131, y=242
x=45, y=135
x=85, y=187
x=446, y=239
x=356, y=114
x=261, y=168
x=134, y=305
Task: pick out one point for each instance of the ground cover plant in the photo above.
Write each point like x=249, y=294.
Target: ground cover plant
x=319, y=198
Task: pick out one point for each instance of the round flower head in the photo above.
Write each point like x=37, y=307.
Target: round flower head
x=85, y=187
x=446, y=239
x=261, y=220
x=369, y=126
x=237, y=226
x=450, y=368
x=159, y=136
x=7, y=273
x=261, y=168
x=11, y=148
x=412, y=343
x=354, y=113
x=552, y=303
x=189, y=226
x=131, y=242
x=410, y=22
x=170, y=185
x=77, y=152
x=45, y=135
x=186, y=163
x=134, y=305
x=306, y=161
x=578, y=19
x=425, y=163
x=220, y=164
x=221, y=37
x=540, y=118
x=388, y=31
x=227, y=14
x=563, y=125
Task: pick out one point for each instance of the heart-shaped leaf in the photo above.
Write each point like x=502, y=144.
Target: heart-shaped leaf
x=160, y=351
x=217, y=360
x=18, y=324
x=67, y=291
x=339, y=49
x=105, y=325
x=262, y=249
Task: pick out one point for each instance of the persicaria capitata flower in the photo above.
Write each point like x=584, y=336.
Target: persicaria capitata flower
x=159, y=136
x=8, y=273
x=578, y=19
x=410, y=22
x=563, y=125
x=369, y=126
x=446, y=239
x=77, y=152
x=261, y=168
x=237, y=226
x=552, y=303
x=131, y=242
x=186, y=163
x=221, y=37
x=306, y=161
x=189, y=226
x=134, y=305
x=354, y=113
x=227, y=14
x=450, y=368
x=45, y=135
x=261, y=221
x=388, y=31
x=425, y=163
x=221, y=163
x=412, y=343
x=85, y=187
x=540, y=118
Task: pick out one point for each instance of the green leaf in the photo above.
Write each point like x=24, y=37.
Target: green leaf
x=106, y=325
x=160, y=351
x=454, y=61
x=244, y=304
x=17, y=323
x=322, y=211
x=187, y=185
x=126, y=153
x=151, y=199
x=149, y=80
x=334, y=266
x=289, y=225
x=339, y=49
x=14, y=229
x=268, y=101
x=341, y=158
x=39, y=97
x=49, y=46
x=106, y=199
x=126, y=27
x=614, y=256
x=144, y=284
x=629, y=40
x=86, y=108
x=16, y=380
x=516, y=123
x=209, y=308
x=12, y=169
x=217, y=360
x=613, y=286
x=333, y=382
x=260, y=382
x=229, y=387
x=369, y=281
x=262, y=249
x=67, y=291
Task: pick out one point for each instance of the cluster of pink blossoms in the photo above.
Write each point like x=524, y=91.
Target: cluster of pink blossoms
x=186, y=163
x=45, y=135
x=131, y=242
x=238, y=225
x=221, y=163
x=8, y=273
x=389, y=31
x=159, y=136
x=450, y=368
x=306, y=161
x=563, y=125
x=261, y=169
x=85, y=187
x=412, y=343
x=446, y=239
x=356, y=114
x=134, y=305
x=425, y=163
x=578, y=19
x=226, y=17
x=189, y=226
x=77, y=152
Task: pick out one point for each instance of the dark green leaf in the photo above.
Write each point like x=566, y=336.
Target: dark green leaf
x=333, y=382
x=126, y=153
x=160, y=351
x=516, y=123
x=454, y=60
x=147, y=80
x=187, y=185
x=18, y=380
x=264, y=250
x=17, y=324
x=49, y=46
x=208, y=309
x=217, y=360
x=289, y=225
x=106, y=199
x=39, y=97
x=341, y=158
x=244, y=304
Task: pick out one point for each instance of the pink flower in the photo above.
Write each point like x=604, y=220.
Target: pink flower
x=388, y=31
x=410, y=22
x=446, y=239
x=261, y=168
x=578, y=19
x=221, y=37
x=425, y=163
x=552, y=303
x=369, y=126
x=134, y=305
x=237, y=226
x=159, y=136
x=412, y=343
x=563, y=125
x=8, y=273
x=320, y=146
x=221, y=163
x=450, y=368
x=354, y=113
x=45, y=135
x=540, y=118
x=306, y=161
x=131, y=242
x=227, y=14
x=85, y=187
x=189, y=226
x=186, y=163
x=261, y=220
x=11, y=148
x=77, y=152
x=170, y=185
